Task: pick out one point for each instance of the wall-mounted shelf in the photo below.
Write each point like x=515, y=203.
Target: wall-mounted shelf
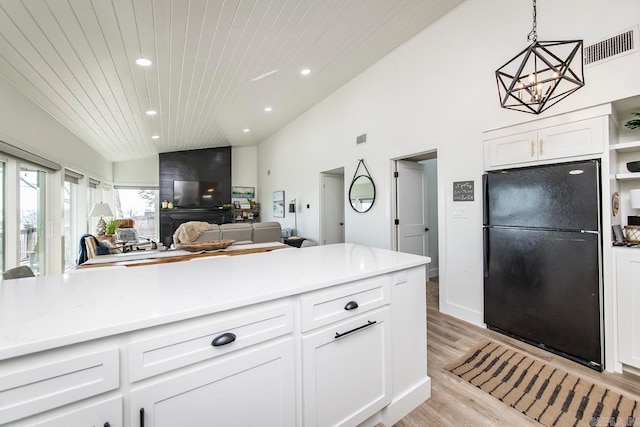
x=626, y=147
x=628, y=176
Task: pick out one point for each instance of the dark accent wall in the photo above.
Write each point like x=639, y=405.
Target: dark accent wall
x=209, y=165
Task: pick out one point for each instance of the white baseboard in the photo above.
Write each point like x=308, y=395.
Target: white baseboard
x=406, y=403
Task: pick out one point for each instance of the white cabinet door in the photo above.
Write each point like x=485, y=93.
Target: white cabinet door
x=346, y=375
x=628, y=284
x=512, y=149
x=572, y=139
x=253, y=387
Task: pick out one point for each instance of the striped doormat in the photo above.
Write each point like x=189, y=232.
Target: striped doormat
x=542, y=392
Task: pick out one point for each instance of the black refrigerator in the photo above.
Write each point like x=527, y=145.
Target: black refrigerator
x=542, y=258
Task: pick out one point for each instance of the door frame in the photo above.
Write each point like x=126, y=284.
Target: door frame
x=337, y=172
x=440, y=249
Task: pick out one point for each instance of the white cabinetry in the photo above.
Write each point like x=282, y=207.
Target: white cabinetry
x=49, y=381
x=344, y=344
x=628, y=283
x=247, y=365
x=104, y=413
x=346, y=371
x=575, y=139
x=254, y=387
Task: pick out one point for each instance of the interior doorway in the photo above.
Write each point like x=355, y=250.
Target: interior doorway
x=416, y=207
x=332, y=206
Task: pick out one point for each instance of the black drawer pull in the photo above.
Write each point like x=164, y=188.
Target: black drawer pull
x=351, y=305
x=141, y=417
x=107, y=424
x=369, y=323
x=223, y=339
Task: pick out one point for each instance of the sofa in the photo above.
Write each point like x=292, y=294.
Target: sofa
x=258, y=232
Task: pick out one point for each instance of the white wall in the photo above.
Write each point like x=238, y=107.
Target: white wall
x=438, y=92
x=244, y=163
x=25, y=125
x=140, y=172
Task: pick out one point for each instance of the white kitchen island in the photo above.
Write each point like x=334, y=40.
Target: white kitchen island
x=326, y=335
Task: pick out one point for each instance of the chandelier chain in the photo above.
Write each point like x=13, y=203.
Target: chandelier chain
x=533, y=35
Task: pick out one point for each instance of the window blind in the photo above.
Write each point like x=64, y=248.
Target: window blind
x=21, y=154
x=72, y=176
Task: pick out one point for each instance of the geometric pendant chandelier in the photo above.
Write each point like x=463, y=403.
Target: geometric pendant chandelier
x=541, y=75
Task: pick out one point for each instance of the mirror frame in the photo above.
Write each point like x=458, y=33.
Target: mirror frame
x=353, y=181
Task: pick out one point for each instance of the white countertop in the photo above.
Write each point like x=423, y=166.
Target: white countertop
x=51, y=311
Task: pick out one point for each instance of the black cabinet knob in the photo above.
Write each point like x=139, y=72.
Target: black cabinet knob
x=426, y=229
x=351, y=305
x=223, y=339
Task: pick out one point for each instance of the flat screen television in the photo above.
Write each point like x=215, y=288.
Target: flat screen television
x=197, y=194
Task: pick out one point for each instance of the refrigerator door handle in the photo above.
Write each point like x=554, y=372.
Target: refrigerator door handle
x=487, y=252
x=485, y=199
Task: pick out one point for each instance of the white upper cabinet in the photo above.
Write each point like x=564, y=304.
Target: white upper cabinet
x=579, y=135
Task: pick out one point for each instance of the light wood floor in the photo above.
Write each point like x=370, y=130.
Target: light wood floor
x=455, y=402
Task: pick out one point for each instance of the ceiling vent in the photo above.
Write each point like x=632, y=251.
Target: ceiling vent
x=612, y=47
x=362, y=138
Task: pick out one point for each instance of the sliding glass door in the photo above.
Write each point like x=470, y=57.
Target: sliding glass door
x=2, y=227
x=32, y=219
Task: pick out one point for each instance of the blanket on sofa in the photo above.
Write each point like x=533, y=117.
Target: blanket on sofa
x=190, y=231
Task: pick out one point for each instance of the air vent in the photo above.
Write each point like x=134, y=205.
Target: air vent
x=612, y=47
x=362, y=138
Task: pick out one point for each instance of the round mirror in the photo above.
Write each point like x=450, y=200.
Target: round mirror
x=362, y=193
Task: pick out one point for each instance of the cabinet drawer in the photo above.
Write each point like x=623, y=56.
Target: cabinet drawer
x=328, y=306
x=40, y=384
x=173, y=348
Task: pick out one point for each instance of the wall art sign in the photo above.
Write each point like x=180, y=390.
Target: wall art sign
x=463, y=191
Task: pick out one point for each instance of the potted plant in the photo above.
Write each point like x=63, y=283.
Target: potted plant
x=112, y=225
x=633, y=124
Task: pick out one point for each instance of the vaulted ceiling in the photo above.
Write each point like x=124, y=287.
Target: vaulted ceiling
x=216, y=64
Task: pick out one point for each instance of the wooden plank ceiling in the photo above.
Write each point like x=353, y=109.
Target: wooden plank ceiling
x=75, y=58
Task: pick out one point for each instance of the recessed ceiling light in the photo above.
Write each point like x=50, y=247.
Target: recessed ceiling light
x=152, y=112
x=246, y=130
x=144, y=62
x=267, y=109
x=305, y=72
x=155, y=137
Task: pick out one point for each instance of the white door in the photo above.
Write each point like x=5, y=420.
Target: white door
x=332, y=209
x=411, y=209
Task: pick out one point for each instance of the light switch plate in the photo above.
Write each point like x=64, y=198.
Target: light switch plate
x=459, y=213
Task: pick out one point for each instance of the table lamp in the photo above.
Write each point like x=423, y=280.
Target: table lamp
x=101, y=209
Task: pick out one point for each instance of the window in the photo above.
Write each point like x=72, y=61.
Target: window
x=32, y=219
x=140, y=204
x=71, y=226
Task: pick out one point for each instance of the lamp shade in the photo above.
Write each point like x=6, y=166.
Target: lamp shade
x=100, y=209
x=635, y=198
